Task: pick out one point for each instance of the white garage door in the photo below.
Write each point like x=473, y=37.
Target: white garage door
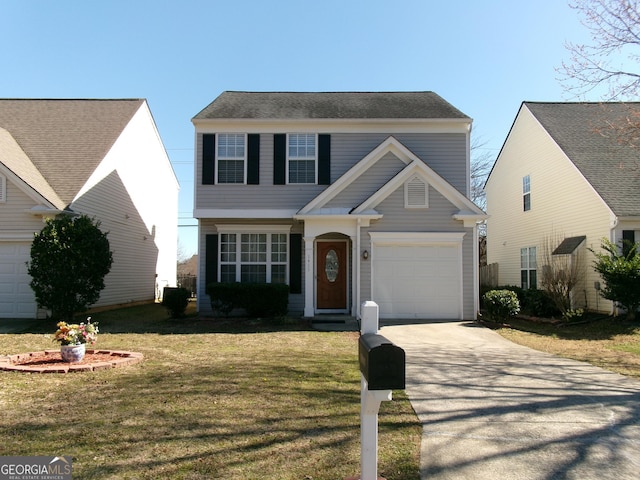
x=418, y=281
x=16, y=297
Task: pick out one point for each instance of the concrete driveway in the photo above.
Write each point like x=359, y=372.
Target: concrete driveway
x=494, y=410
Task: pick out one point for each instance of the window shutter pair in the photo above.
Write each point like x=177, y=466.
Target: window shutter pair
x=209, y=158
x=280, y=159
x=295, y=261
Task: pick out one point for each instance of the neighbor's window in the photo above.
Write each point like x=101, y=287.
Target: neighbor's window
x=253, y=257
x=302, y=158
x=526, y=193
x=231, y=158
x=528, y=268
x=628, y=241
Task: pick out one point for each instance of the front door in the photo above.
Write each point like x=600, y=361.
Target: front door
x=332, y=273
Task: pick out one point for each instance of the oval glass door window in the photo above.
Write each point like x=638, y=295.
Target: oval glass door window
x=331, y=265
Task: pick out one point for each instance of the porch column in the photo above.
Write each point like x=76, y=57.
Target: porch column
x=355, y=284
x=309, y=284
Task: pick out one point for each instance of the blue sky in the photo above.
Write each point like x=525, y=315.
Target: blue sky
x=484, y=57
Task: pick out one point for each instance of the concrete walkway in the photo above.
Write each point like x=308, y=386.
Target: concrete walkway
x=494, y=410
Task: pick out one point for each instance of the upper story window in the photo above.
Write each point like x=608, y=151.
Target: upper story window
x=302, y=158
x=526, y=193
x=231, y=158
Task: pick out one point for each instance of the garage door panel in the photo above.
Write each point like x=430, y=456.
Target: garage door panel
x=16, y=297
x=417, y=281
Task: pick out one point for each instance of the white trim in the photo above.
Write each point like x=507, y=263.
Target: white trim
x=418, y=167
x=390, y=145
x=382, y=125
x=223, y=228
x=27, y=189
x=242, y=213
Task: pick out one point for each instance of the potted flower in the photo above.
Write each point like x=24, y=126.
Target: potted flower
x=74, y=337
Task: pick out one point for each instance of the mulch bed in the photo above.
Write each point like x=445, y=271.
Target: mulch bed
x=49, y=361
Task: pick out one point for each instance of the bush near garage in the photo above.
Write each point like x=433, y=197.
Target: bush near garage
x=501, y=304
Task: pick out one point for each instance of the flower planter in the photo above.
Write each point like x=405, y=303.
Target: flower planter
x=72, y=353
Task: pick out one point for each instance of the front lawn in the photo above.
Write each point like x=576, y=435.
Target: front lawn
x=610, y=343
x=211, y=400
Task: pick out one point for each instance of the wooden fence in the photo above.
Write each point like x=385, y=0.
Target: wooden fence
x=489, y=275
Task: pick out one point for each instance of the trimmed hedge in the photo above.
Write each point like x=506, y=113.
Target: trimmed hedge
x=259, y=300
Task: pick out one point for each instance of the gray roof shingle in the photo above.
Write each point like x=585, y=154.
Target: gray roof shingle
x=329, y=105
x=612, y=167
x=66, y=139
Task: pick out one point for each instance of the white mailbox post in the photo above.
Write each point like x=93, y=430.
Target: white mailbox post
x=370, y=401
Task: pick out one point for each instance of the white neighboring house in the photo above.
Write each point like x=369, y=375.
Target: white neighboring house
x=101, y=158
x=562, y=174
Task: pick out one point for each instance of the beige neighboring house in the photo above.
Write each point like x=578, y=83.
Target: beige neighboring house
x=101, y=158
x=562, y=174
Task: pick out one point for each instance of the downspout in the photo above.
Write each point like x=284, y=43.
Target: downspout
x=476, y=270
x=358, y=259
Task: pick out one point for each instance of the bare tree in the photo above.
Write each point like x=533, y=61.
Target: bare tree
x=481, y=163
x=562, y=272
x=611, y=60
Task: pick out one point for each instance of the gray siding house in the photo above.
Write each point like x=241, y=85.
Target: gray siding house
x=344, y=196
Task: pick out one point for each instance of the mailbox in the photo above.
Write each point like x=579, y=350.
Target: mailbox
x=381, y=362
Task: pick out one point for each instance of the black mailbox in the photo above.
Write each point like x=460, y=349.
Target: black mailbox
x=381, y=362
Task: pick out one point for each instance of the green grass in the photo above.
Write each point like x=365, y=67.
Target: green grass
x=212, y=399
x=610, y=343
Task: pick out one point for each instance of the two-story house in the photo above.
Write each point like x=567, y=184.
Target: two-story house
x=565, y=178
x=344, y=196
x=101, y=158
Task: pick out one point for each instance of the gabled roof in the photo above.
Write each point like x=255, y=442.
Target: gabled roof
x=414, y=166
x=330, y=105
x=65, y=139
x=13, y=158
x=610, y=166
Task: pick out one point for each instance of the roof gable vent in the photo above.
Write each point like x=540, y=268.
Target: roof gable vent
x=415, y=193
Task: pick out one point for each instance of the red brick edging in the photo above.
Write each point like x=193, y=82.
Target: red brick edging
x=19, y=362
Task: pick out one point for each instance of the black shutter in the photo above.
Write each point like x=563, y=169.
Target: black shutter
x=211, y=259
x=279, y=158
x=295, y=263
x=208, y=158
x=253, y=159
x=324, y=159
